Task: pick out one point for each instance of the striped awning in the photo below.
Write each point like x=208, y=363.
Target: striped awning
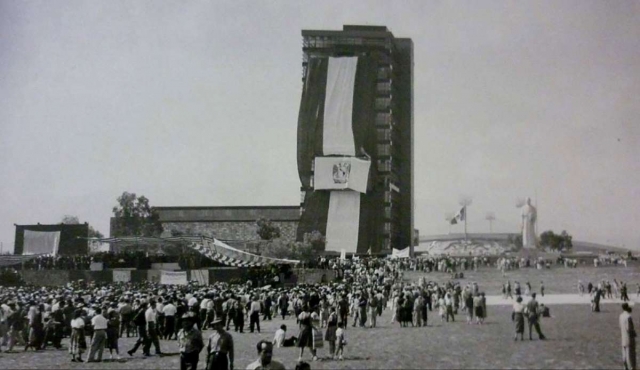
x=209, y=247
x=15, y=259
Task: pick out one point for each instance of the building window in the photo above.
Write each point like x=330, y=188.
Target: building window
x=383, y=119
x=383, y=103
x=387, y=212
x=383, y=87
x=303, y=194
x=384, y=149
x=387, y=197
x=384, y=165
x=387, y=227
x=384, y=134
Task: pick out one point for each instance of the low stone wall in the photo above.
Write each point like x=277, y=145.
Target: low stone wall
x=314, y=276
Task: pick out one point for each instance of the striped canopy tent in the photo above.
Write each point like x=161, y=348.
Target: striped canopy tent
x=209, y=247
x=15, y=259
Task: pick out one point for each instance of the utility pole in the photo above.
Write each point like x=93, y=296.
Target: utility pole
x=490, y=217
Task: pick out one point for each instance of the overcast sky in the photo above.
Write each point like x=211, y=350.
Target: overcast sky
x=196, y=104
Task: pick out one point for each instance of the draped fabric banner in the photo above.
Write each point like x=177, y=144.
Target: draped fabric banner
x=41, y=242
x=343, y=221
x=173, y=278
x=338, y=107
x=200, y=276
x=341, y=173
x=397, y=253
x=121, y=276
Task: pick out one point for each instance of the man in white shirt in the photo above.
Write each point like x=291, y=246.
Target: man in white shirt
x=169, y=311
x=152, y=332
x=99, y=336
x=278, y=339
x=254, y=314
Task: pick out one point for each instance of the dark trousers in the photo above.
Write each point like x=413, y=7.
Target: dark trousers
x=254, y=319
x=267, y=313
x=189, y=361
x=169, y=326
x=535, y=324
x=217, y=361
x=152, y=338
x=142, y=340
x=450, y=313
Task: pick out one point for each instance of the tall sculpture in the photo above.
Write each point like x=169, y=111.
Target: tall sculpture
x=529, y=216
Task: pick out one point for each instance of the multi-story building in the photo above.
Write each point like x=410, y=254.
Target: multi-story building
x=382, y=126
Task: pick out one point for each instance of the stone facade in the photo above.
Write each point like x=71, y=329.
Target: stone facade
x=246, y=231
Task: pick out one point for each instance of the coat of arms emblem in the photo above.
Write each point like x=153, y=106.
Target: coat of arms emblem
x=341, y=172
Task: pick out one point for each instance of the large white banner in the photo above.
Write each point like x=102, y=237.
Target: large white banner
x=41, y=242
x=341, y=173
x=343, y=221
x=121, y=276
x=173, y=278
x=337, y=132
x=397, y=253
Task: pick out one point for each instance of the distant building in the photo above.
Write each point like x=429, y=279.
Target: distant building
x=382, y=126
x=236, y=224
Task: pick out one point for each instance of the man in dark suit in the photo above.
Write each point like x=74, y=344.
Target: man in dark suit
x=533, y=317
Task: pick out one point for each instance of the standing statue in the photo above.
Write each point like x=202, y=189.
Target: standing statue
x=529, y=216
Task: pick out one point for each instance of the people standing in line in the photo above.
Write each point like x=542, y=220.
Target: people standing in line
x=517, y=316
x=628, y=332
x=220, y=350
x=99, y=338
x=190, y=343
x=141, y=324
x=533, y=317
x=77, y=342
x=265, y=358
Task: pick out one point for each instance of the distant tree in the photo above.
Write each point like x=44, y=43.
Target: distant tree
x=135, y=217
x=316, y=240
x=556, y=242
x=266, y=230
x=74, y=220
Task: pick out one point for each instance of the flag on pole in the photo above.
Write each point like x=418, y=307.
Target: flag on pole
x=459, y=217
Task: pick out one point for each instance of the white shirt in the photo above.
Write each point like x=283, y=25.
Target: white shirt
x=169, y=310
x=150, y=315
x=193, y=301
x=99, y=322
x=77, y=323
x=203, y=304
x=278, y=339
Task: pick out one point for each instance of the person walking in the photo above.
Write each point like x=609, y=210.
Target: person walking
x=190, y=343
x=113, y=334
x=628, y=338
x=170, y=310
x=220, y=351
x=330, y=334
x=517, y=316
x=151, y=319
x=533, y=317
x=141, y=325
x=305, y=338
x=255, y=307
x=77, y=342
x=99, y=338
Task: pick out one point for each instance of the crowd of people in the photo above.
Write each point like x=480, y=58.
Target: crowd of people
x=95, y=316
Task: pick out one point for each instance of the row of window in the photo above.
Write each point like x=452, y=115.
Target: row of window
x=327, y=41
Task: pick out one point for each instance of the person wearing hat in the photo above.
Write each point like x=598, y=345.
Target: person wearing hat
x=220, y=352
x=190, y=342
x=265, y=358
x=628, y=338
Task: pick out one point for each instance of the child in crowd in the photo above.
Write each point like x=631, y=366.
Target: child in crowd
x=341, y=341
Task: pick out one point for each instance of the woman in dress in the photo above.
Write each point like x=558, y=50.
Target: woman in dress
x=477, y=308
x=78, y=342
x=112, y=334
x=305, y=338
x=330, y=335
x=517, y=316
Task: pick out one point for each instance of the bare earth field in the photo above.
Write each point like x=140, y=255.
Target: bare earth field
x=577, y=338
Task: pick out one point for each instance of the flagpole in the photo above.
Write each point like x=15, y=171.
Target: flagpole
x=466, y=216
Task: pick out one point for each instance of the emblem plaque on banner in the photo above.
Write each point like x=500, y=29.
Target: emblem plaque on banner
x=341, y=172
